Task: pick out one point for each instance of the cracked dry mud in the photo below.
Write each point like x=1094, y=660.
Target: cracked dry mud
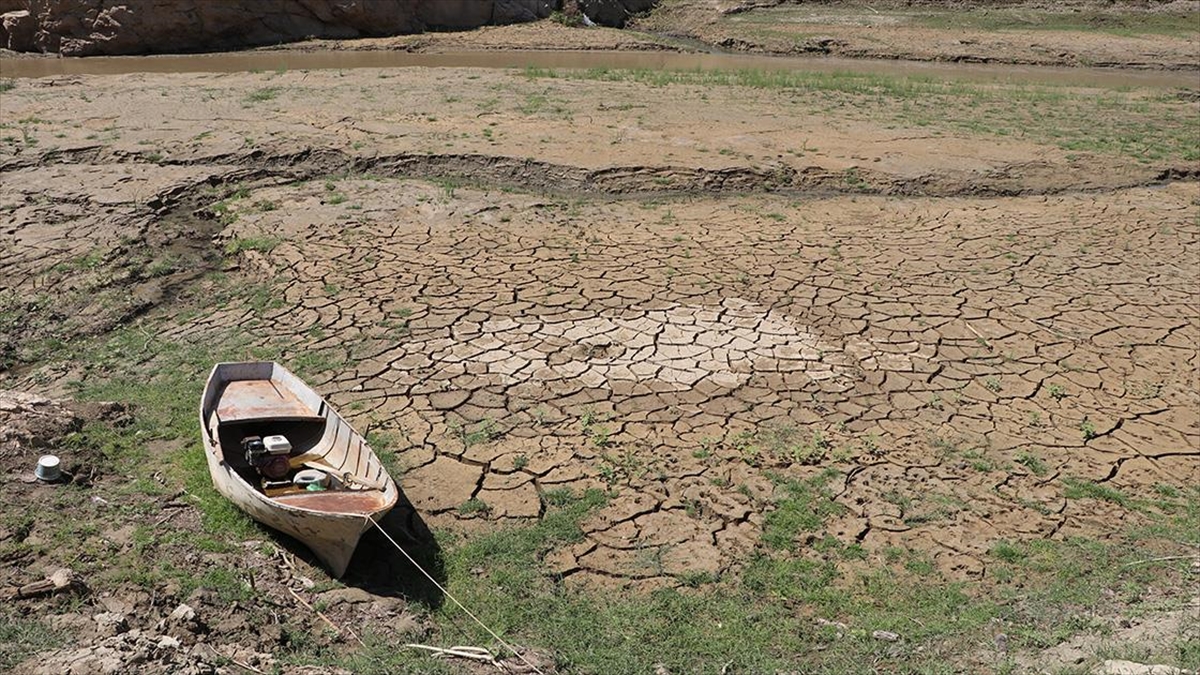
x=955, y=358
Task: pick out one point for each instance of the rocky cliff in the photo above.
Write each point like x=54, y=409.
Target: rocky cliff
x=90, y=27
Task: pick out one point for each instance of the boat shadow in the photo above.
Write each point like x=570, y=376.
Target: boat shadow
x=380, y=568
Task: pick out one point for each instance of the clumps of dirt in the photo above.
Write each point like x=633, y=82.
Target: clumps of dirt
x=32, y=425
x=149, y=653
x=30, y=422
x=124, y=628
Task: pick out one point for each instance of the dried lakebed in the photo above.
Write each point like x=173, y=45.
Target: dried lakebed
x=680, y=295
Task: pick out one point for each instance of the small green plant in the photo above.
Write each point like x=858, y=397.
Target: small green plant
x=520, y=462
x=485, y=431
x=697, y=579
x=1145, y=390
x=1032, y=462
x=161, y=267
x=992, y=384
x=1077, y=488
x=601, y=436
x=853, y=179
x=473, y=507
x=1056, y=391
x=1168, y=491
x=569, y=19
x=260, y=244
x=1088, y=429
x=261, y=95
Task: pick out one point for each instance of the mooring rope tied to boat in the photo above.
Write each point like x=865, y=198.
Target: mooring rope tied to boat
x=461, y=606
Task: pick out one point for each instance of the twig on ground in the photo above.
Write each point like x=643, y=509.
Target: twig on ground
x=979, y=335
x=474, y=653
x=1164, y=558
x=247, y=666
x=326, y=619
x=1052, y=330
x=170, y=514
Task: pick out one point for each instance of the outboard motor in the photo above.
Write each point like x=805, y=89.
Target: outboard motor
x=269, y=456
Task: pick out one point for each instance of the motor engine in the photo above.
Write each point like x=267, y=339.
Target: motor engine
x=270, y=459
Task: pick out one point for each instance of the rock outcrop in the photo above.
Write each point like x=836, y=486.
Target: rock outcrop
x=93, y=27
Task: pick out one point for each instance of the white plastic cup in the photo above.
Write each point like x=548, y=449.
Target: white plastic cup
x=48, y=469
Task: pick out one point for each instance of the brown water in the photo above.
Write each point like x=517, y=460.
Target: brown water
x=332, y=59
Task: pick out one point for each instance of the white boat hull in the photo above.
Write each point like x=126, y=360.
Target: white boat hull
x=330, y=523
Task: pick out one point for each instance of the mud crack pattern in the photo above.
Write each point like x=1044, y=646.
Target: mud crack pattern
x=958, y=360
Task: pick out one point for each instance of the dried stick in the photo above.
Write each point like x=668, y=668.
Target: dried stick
x=324, y=618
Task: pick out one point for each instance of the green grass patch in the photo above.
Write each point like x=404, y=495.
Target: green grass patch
x=761, y=620
x=803, y=507
x=23, y=636
x=1077, y=488
x=260, y=244
x=160, y=379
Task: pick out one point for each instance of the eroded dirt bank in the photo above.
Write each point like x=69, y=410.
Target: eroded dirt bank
x=93, y=27
x=690, y=295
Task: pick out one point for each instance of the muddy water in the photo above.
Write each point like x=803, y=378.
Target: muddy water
x=334, y=59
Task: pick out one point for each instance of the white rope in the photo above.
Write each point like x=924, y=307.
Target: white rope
x=448, y=595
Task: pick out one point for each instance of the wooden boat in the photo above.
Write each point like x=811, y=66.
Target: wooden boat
x=247, y=401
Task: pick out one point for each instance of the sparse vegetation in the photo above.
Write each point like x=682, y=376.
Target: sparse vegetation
x=1085, y=489
x=1032, y=462
x=263, y=94
x=473, y=507
x=260, y=244
x=1115, y=122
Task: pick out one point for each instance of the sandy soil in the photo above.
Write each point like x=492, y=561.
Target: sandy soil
x=669, y=292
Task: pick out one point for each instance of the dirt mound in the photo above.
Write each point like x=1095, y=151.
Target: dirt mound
x=29, y=422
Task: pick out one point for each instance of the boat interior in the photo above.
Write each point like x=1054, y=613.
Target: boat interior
x=304, y=436
x=268, y=407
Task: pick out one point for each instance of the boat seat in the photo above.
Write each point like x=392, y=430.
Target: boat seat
x=243, y=400
x=336, y=501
